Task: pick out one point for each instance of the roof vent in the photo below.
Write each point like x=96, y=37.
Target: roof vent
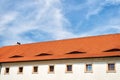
x=43, y=54
x=16, y=56
x=76, y=52
x=112, y=50
x=18, y=43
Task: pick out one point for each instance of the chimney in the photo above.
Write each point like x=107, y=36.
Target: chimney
x=18, y=43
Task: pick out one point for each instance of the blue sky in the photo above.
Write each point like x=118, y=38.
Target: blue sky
x=29, y=21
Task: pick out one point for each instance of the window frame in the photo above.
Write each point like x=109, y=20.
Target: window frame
x=88, y=71
x=5, y=71
x=34, y=70
x=49, y=71
x=19, y=70
x=67, y=71
x=108, y=69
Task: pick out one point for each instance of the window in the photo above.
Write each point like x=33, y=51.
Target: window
x=20, y=70
x=43, y=54
x=68, y=68
x=111, y=67
x=88, y=68
x=16, y=56
x=51, y=68
x=7, y=69
x=75, y=52
x=113, y=50
x=35, y=69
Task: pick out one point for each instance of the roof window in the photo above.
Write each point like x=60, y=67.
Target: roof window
x=43, y=54
x=16, y=56
x=112, y=50
x=75, y=52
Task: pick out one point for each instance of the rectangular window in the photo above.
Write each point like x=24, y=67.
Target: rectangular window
x=7, y=69
x=68, y=68
x=35, y=69
x=20, y=70
x=88, y=67
x=51, y=68
x=111, y=67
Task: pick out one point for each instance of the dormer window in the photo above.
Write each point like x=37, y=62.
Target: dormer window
x=43, y=54
x=75, y=52
x=112, y=50
x=16, y=56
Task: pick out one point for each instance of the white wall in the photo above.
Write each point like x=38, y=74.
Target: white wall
x=99, y=70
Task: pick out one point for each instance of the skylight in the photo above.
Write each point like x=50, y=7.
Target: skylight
x=112, y=50
x=75, y=52
x=43, y=54
x=16, y=56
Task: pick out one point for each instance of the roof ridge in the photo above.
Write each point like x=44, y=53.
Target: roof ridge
x=84, y=37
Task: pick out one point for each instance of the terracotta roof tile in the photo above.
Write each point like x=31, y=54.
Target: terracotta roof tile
x=92, y=46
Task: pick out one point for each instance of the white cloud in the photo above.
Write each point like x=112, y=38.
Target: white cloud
x=112, y=24
x=96, y=6
x=92, y=8
x=47, y=16
x=113, y=1
x=6, y=19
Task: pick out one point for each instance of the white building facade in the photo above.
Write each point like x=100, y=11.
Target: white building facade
x=98, y=71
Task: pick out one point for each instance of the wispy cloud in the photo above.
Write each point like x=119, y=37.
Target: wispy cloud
x=46, y=16
x=6, y=19
x=40, y=20
x=96, y=16
x=112, y=25
x=96, y=6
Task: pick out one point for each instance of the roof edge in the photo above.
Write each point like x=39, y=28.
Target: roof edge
x=62, y=59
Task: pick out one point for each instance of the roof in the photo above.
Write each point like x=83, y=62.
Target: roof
x=85, y=47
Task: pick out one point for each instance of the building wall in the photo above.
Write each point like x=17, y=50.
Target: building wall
x=99, y=70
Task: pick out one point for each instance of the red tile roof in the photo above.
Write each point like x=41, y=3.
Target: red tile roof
x=86, y=47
